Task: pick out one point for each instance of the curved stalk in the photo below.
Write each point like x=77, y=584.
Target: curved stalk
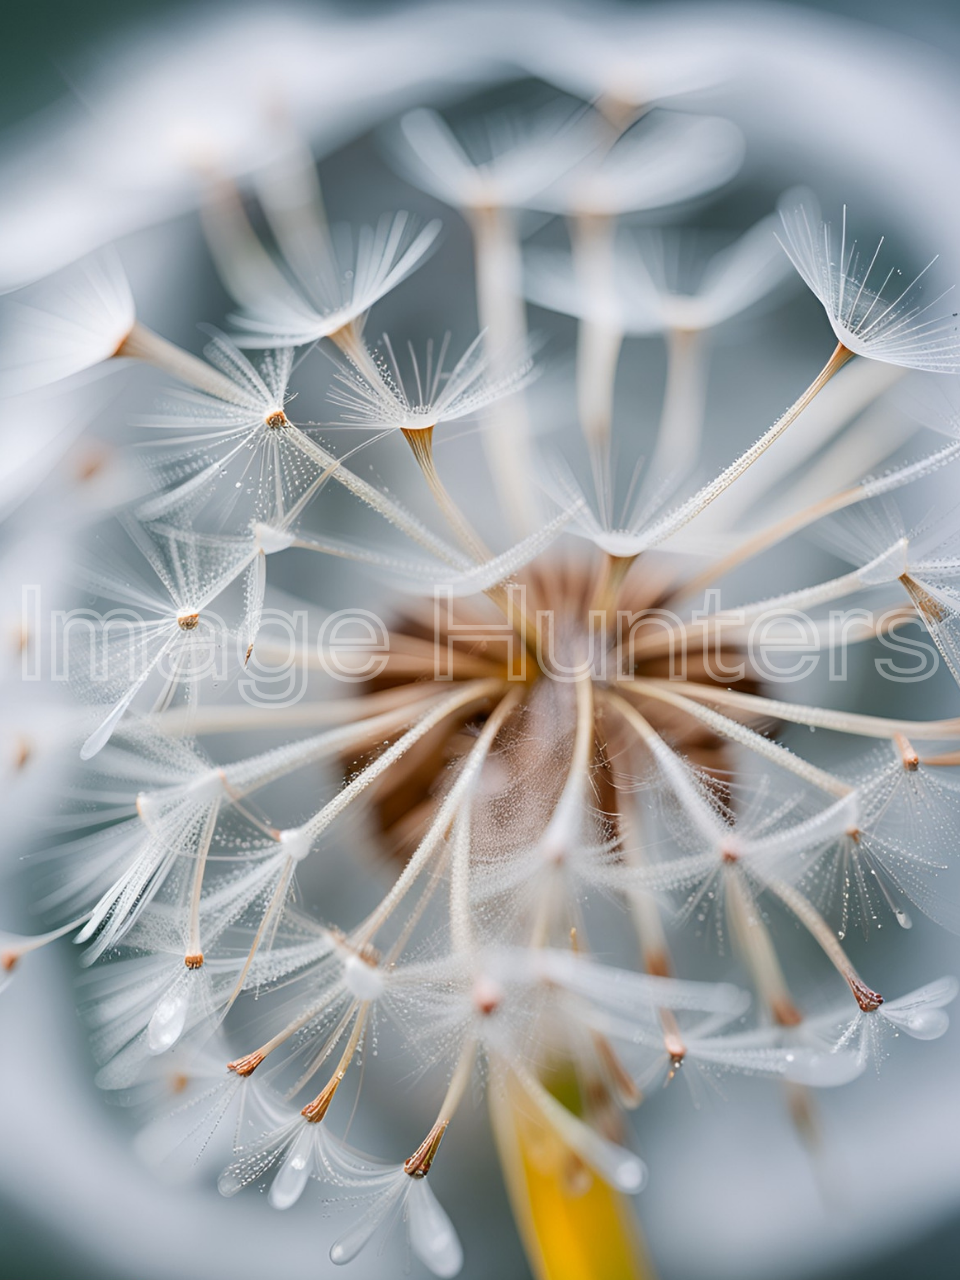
x=423, y=854
x=739, y=733
x=689, y=510
x=820, y=717
x=769, y=537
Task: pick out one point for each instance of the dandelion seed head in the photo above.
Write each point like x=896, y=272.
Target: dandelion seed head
x=542, y=733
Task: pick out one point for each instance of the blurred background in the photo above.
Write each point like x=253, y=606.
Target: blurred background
x=860, y=99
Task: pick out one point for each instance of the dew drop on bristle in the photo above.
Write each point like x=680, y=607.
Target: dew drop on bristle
x=292, y=1177
x=362, y=979
x=166, y=1026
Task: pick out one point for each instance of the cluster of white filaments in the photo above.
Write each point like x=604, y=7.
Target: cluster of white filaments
x=533, y=776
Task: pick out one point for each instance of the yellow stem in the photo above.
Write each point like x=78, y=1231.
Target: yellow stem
x=573, y=1225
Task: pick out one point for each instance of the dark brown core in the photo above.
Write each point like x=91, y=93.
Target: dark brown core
x=403, y=802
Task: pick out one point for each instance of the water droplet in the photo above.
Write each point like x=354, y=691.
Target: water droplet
x=291, y=1177
x=166, y=1026
x=361, y=979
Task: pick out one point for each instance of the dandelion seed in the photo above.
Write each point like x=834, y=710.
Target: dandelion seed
x=335, y=296
x=213, y=1108
x=660, y=161
x=216, y=449
x=14, y=946
x=298, y=1150
x=871, y=310
x=647, y=294
x=392, y=1193
x=505, y=161
x=920, y=1015
x=62, y=326
x=175, y=641
x=437, y=395
x=632, y=285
